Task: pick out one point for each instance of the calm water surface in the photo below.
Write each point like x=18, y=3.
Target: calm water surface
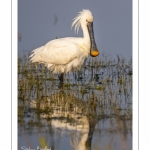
x=92, y=110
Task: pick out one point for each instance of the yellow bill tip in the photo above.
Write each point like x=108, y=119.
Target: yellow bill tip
x=94, y=53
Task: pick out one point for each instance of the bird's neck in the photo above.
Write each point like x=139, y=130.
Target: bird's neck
x=86, y=36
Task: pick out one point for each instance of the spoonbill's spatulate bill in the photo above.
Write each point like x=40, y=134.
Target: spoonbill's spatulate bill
x=64, y=54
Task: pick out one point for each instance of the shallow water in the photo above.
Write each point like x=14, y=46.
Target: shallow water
x=108, y=134
x=91, y=110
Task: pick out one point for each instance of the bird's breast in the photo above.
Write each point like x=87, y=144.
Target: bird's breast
x=85, y=48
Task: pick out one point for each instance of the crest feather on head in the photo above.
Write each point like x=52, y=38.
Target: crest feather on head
x=80, y=17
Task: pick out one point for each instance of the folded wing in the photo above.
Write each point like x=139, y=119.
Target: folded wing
x=58, y=52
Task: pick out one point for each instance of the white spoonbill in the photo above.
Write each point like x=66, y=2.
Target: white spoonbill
x=64, y=54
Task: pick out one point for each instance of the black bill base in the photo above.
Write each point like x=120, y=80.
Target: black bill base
x=93, y=50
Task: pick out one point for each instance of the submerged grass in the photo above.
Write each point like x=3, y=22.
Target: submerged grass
x=99, y=84
x=101, y=89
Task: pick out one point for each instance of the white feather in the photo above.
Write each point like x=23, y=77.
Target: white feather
x=80, y=18
x=63, y=55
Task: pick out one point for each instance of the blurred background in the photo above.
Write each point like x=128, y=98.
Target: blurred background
x=40, y=21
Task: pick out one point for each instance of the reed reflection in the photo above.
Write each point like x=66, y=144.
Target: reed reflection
x=91, y=110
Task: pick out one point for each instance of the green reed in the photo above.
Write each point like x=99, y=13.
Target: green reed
x=103, y=85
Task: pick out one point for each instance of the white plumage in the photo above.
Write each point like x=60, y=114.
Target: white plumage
x=64, y=54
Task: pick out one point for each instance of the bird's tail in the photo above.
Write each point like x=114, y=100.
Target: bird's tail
x=35, y=56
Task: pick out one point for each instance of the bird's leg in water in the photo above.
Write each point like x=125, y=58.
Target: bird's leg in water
x=61, y=77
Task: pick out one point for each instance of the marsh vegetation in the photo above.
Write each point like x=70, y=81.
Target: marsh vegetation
x=91, y=110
